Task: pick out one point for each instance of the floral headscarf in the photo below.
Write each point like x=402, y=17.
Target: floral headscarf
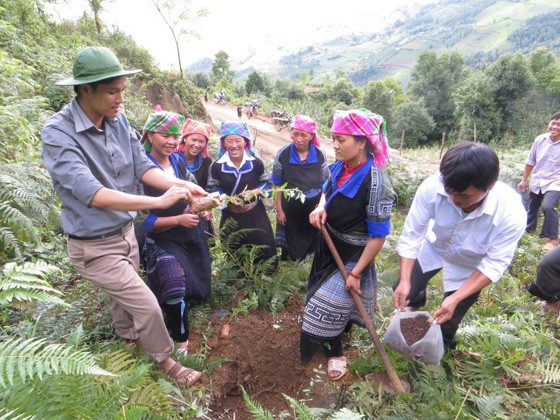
x=362, y=122
x=196, y=127
x=305, y=123
x=162, y=122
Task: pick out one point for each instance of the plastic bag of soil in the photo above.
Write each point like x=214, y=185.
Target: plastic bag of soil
x=416, y=336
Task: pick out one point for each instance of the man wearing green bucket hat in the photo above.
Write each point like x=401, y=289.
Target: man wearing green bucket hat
x=95, y=161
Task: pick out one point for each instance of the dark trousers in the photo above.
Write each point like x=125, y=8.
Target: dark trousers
x=307, y=346
x=177, y=320
x=417, y=297
x=547, y=283
x=549, y=201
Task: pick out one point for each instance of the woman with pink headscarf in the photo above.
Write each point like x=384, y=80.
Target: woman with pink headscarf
x=303, y=165
x=355, y=208
x=194, y=149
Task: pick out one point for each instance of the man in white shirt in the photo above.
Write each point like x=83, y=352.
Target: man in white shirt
x=464, y=221
x=543, y=163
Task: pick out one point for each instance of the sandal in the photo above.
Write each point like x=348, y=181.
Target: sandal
x=336, y=368
x=182, y=375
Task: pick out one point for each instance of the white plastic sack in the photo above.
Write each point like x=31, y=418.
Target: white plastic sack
x=428, y=349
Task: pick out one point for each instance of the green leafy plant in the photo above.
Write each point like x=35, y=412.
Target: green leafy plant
x=258, y=412
x=28, y=283
x=26, y=201
x=22, y=360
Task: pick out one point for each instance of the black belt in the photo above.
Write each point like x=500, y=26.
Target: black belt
x=116, y=232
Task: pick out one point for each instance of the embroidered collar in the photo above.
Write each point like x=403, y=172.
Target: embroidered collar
x=352, y=185
x=225, y=159
x=311, y=155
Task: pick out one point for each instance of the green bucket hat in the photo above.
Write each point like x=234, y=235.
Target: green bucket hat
x=93, y=64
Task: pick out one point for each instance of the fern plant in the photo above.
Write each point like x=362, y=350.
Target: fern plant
x=28, y=282
x=241, y=274
x=258, y=412
x=27, y=201
x=131, y=389
x=21, y=360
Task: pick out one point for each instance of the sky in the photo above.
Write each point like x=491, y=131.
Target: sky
x=240, y=27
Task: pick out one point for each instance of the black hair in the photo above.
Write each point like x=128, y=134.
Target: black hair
x=369, y=147
x=94, y=84
x=555, y=116
x=469, y=164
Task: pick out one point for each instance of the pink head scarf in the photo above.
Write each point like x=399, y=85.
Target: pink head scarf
x=362, y=122
x=305, y=123
x=196, y=127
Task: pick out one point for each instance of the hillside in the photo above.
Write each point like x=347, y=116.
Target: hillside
x=481, y=30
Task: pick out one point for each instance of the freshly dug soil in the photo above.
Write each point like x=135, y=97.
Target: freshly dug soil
x=413, y=329
x=262, y=356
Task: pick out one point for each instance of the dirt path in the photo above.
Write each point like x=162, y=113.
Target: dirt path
x=267, y=139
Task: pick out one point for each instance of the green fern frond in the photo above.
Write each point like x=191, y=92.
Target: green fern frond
x=548, y=371
x=77, y=337
x=27, y=359
x=345, y=414
x=27, y=202
x=134, y=412
x=214, y=364
x=12, y=415
x=94, y=397
x=117, y=361
x=258, y=412
x=488, y=405
x=17, y=220
x=301, y=411
x=27, y=282
x=9, y=242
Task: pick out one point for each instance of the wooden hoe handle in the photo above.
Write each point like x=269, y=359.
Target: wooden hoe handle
x=367, y=321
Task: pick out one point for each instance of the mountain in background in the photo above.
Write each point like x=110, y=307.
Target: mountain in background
x=481, y=30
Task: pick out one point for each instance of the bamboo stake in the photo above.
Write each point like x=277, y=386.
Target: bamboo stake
x=397, y=384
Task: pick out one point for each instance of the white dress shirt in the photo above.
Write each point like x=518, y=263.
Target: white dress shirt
x=544, y=156
x=440, y=235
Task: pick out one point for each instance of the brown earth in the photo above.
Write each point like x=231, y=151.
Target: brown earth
x=414, y=329
x=262, y=353
x=267, y=140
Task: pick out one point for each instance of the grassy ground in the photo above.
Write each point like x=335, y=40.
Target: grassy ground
x=507, y=364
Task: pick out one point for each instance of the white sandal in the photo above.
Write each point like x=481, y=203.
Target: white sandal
x=337, y=365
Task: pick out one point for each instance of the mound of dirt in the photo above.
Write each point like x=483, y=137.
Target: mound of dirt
x=263, y=357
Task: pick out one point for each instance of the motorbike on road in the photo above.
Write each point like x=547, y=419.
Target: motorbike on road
x=281, y=122
x=220, y=98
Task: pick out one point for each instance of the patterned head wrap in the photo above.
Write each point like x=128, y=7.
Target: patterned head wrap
x=162, y=122
x=238, y=128
x=196, y=127
x=305, y=123
x=362, y=122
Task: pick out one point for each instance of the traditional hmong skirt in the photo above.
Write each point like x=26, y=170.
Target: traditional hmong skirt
x=331, y=308
x=166, y=276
